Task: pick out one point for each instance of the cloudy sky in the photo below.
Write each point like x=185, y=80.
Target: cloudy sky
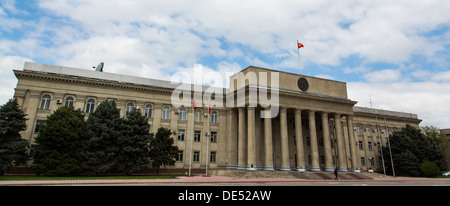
x=394, y=53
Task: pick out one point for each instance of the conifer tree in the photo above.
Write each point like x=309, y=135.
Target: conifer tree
x=134, y=143
x=58, y=143
x=100, y=146
x=162, y=150
x=410, y=148
x=13, y=149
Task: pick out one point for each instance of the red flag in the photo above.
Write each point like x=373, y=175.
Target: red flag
x=299, y=45
x=377, y=126
x=209, y=110
x=195, y=105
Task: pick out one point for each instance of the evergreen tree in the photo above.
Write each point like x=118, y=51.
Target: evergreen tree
x=59, y=142
x=100, y=146
x=134, y=143
x=12, y=147
x=162, y=150
x=410, y=148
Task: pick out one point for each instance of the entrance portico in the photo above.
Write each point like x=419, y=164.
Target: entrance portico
x=310, y=132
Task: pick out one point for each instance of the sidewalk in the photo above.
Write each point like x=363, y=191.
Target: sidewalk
x=193, y=179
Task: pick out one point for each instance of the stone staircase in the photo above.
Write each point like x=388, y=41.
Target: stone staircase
x=289, y=174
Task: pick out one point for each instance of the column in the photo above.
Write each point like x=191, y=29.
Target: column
x=353, y=143
x=313, y=136
x=268, y=147
x=231, y=141
x=327, y=143
x=299, y=140
x=251, y=150
x=242, y=160
x=340, y=144
x=284, y=141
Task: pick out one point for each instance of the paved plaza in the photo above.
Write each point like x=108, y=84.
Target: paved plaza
x=234, y=181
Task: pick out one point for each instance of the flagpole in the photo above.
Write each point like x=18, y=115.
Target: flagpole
x=381, y=147
x=208, y=136
x=299, y=65
x=389, y=144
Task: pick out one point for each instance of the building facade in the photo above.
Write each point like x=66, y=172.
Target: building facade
x=265, y=120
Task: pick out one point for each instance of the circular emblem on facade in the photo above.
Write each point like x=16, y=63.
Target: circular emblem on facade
x=302, y=84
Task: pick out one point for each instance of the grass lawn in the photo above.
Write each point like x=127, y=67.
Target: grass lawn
x=32, y=177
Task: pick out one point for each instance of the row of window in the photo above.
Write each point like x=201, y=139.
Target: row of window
x=90, y=106
x=322, y=160
x=196, y=156
x=368, y=131
x=197, y=136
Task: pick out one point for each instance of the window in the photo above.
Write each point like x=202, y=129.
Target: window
x=214, y=117
x=212, y=157
x=198, y=115
x=130, y=108
x=321, y=141
x=308, y=142
x=45, y=103
x=363, y=161
x=182, y=115
x=214, y=137
x=39, y=123
x=368, y=130
x=361, y=147
x=148, y=111
x=197, y=135
x=181, y=135
x=166, y=111
x=370, y=146
x=322, y=159
x=372, y=161
x=358, y=129
x=69, y=102
x=90, y=106
x=196, y=156
x=179, y=156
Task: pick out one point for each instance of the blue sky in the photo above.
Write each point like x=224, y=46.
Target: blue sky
x=395, y=53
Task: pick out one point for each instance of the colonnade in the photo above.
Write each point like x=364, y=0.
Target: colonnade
x=245, y=142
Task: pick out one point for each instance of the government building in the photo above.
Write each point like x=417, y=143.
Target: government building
x=265, y=120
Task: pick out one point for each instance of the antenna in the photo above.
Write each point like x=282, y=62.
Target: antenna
x=99, y=68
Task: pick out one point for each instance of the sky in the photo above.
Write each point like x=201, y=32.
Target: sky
x=393, y=55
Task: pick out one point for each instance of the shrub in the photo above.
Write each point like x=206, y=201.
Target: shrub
x=429, y=169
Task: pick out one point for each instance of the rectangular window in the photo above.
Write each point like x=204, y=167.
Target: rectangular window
x=361, y=147
x=370, y=146
x=196, y=156
x=363, y=161
x=308, y=142
x=197, y=135
x=321, y=142
x=212, y=157
x=39, y=123
x=181, y=135
x=372, y=162
x=322, y=159
x=180, y=156
x=368, y=130
x=213, y=137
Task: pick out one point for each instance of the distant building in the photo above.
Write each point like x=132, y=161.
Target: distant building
x=316, y=126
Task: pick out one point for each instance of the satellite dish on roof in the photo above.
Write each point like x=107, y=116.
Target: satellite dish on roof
x=99, y=68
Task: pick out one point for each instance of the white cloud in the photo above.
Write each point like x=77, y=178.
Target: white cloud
x=386, y=75
x=427, y=99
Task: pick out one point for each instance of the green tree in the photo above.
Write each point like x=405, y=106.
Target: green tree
x=134, y=143
x=162, y=150
x=13, y=149
x=58, y=143
x=410, y=148
x=100, y=146
x=441, y=140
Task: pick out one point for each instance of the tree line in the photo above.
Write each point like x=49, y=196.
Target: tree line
x=103, y=144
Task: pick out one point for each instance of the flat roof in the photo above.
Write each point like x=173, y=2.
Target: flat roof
x=382, y=112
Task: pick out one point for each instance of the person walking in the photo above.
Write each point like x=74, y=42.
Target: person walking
x=336, y=174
